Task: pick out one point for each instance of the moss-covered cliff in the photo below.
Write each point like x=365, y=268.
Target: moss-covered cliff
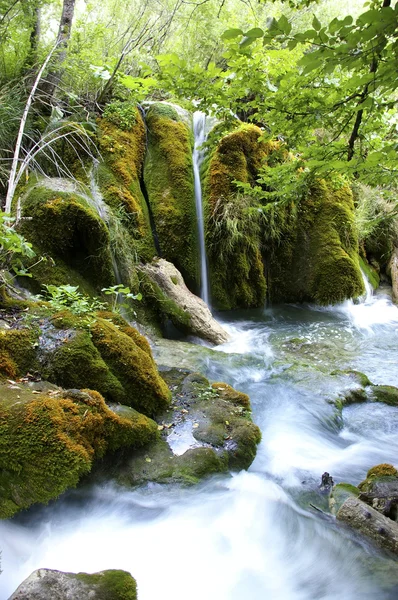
x=168, y=175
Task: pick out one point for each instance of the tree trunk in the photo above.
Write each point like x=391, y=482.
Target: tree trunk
x=54, y=77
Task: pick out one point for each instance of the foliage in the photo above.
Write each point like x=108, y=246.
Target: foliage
x=121, y=114
x=68, y=296
x=13, y=247
x=120, y=290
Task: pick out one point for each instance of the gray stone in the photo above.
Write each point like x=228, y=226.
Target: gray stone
x=201, y=322
x=48, y=584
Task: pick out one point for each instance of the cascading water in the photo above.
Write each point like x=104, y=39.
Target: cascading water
x=250, y=535
x=199, y=129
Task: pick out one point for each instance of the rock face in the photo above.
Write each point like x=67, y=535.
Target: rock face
x=192, y=315
x=369, y=522
x=46, y=584
x=393, y=271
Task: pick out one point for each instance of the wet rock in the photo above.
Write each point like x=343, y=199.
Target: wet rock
x=193, y=315
x=326, y=483
x=48, y=584
x=370, y=523
x=339, y=494
x=380, y=490
x=208, y=430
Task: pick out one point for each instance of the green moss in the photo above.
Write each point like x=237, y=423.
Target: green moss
x=357, y=376
x=370, y=272
x=385, y=393
x=144, y=389
x=317, y=257
x=112, y=358
x=164, y=308
x=65, y=227
x=340, y=493
x=227, y=392
x=110, y=584
x=18, y=351
x=119, y=178
x=233, y=237
x=168, y=175
x=48, y=443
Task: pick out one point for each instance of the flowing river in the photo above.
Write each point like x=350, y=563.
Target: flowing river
x=251, y=535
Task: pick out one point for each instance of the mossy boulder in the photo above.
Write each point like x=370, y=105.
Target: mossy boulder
x=50, y=439
x=317, y=258
x=387, y=394
x=380, y=490
x=208, y=430
x=63, y=227
x=233, y=239
x=110, y=356
x=47, y=584
x=123, y=146
x=169, y=181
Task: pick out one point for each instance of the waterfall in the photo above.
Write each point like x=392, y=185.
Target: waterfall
x=367, y=297
x=199, y=130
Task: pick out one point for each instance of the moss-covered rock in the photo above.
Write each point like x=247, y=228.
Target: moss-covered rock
x=44, y=584
x=208, y=430
x=169, y=180
x=111, y=357
x=385, y=393
x=317, y=258
x=18, y=352
x=340, y=493
x=123, y=148
x=49, y=440
x=236, y=269
x=64, y=227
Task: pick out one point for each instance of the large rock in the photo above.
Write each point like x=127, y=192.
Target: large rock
x=369, y=522
x=50, y=438
x=209, y=430
x=47, y=584
x=393, y=272
x=191, y=313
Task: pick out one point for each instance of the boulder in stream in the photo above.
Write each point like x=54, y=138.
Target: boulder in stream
x=187, y=311
x=48, y=584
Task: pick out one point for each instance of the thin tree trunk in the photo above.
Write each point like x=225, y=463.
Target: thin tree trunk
x=13, y=173
x=65, y=25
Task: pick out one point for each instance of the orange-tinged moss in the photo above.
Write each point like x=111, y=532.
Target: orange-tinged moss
x=227, y=392
x=17, y=348
x=382, y=470
x=8, y=367
x=48, y=443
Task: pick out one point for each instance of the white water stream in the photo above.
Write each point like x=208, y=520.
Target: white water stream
x=250, y=536
x=199, y=130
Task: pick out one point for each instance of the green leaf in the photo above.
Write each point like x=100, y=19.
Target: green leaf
x=316, y=24
x=255, y=33
x=231, y=34
x=284, y=25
